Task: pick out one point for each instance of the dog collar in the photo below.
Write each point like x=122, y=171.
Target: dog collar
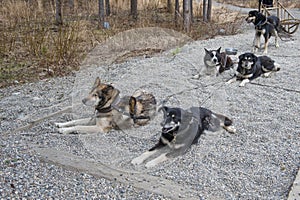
x=104, y=110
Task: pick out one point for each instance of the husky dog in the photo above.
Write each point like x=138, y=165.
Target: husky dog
x=216, y=61
x=180, y=129
x=112, y=112
x=250, y=67
x=266, y=26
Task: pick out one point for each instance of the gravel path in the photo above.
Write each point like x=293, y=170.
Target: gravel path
x=260, y=161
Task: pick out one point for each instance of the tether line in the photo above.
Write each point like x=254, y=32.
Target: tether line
x=276, y=87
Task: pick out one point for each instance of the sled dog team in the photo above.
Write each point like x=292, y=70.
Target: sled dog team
x=180, y=128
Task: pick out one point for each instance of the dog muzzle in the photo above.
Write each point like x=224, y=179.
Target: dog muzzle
x=250, y=19
x=170, y=127
x=92, y=101
x=247, y=65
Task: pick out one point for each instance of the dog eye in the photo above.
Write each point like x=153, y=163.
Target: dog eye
x=95, y=95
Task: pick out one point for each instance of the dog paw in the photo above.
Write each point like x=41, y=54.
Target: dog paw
x=59, y=125
x=197, y=76
x=61, y=130
x=255, y=50
x=244, y=82
x=230, y=129
x=137, y=161
x=66, y=130
x=150, y=164
x=267, y=74
x=230, y=81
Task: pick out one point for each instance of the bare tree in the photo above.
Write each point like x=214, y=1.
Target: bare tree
x=107, y=6
x=58, y=14
x=133, y=9
x=187, y=16
x=101, y=13
x=191, y=10
x=176, y=12
x=209, y=6
x=207, y=10
x=204, y=11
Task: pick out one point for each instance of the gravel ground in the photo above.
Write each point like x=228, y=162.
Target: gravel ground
x=260, y=161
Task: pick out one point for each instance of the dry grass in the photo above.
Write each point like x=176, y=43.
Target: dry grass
x=32, y=47
x=254, y=3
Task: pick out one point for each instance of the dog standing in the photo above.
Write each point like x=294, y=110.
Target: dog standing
x=266, y=26
x=216, y=61
x=112, y=112
x=180, y=129
x=250, y=67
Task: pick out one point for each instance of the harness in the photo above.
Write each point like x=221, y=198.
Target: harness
x=172, y=143
x=113, y=106
x=260, y=24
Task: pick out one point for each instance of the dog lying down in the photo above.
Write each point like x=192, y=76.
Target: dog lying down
x=217, y=61
x=251, y=66
x=180, y=129
x=112, y=111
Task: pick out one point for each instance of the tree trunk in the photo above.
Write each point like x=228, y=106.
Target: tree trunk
x=209, y=6
x=133, y=9
x=169, y=6
x=58, y=14
x=176, y=12
x=101, y=13
x=187, y=23
x=107, y=6
x=191, y=10
x=204, y=11
x=71, y=5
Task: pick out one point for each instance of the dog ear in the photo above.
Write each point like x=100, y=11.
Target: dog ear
x=219, y=50
x=97, y=82
x=132, y=106
x=164, y=109
x=206, y=51
x=241, y=56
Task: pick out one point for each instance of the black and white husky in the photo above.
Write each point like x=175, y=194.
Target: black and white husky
x=216, y=61
x=180, y=129
x=251, y=66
